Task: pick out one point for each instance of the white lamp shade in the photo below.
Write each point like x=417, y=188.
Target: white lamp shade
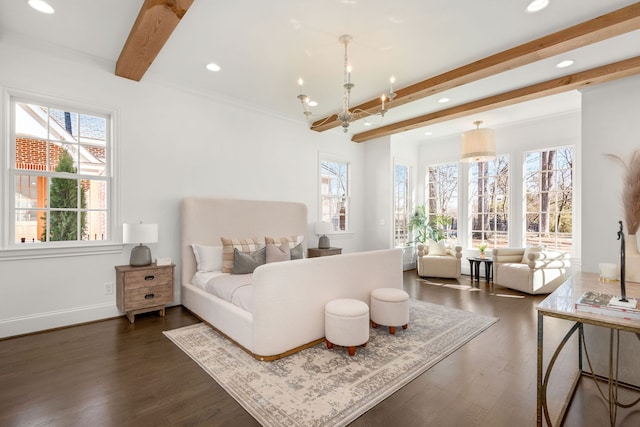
x=139, y=233
x=323, y=228
x=478, y=145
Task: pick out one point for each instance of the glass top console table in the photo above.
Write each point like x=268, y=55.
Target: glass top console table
x=561, y=304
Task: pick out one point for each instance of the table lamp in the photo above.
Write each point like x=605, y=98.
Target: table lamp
x=140, y=233
x=322, y=229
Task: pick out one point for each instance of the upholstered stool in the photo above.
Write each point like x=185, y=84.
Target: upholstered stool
x=346, y=323
x=390, y=307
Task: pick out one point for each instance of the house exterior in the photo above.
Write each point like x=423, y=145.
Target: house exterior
x=169, y=144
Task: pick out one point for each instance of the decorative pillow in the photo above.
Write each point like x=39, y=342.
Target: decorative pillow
x=292, y=241
x=245, y=263
x=297, y=252
x=278, y=253
x=243, y=245
x=208, y=258
x=530, y=250
x=437, y=248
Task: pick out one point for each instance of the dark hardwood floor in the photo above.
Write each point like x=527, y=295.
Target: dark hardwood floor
x=113, y=373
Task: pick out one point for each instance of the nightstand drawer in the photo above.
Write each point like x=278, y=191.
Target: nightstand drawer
x=148, y=296
x=147, y=278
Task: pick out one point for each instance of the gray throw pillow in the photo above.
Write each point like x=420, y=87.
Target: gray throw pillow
x=278, y=253
x=244, y=263
x=297, y=252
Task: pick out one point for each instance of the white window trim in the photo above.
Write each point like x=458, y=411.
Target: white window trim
x=338, y=235
x=9, y=250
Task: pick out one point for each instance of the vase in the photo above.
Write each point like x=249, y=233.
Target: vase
x=632, y=259
x=482, y=255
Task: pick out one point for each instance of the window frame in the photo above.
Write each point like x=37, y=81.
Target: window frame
x=9, y=248
x=491, y=243
x=407, y=205
x=525, y=228
x=451, y=233
x=321, y=195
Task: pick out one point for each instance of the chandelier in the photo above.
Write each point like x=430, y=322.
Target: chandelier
x=346, y=115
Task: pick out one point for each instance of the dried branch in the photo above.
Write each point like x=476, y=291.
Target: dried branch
x=631, y=191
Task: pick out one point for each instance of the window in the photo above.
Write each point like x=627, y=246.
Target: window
x=335, y=194
x=442, y=199
x=60, y=174
x=488, y=202
x=401, y=203
x=549, y=198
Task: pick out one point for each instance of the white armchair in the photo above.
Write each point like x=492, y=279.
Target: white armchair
x=443, y=264
x=537, y=272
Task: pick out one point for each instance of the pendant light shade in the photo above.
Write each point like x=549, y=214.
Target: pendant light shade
x=478, y=145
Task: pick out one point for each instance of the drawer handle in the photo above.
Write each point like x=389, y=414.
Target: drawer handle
x=150, y=277
x=149, y=296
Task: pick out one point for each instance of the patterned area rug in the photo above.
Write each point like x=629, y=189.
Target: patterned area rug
x=321, y=387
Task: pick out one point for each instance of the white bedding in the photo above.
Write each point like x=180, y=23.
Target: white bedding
x=234, y=288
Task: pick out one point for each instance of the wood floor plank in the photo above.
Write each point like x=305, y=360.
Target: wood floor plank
x=114, y=373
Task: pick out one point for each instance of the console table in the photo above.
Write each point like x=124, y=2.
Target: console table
x=561, y=304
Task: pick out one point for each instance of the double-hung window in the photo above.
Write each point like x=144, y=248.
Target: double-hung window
x=335, y=194
x=442, y=200
x=549, y=198
x=488, y=202
x=59, y=173
x=401, y=203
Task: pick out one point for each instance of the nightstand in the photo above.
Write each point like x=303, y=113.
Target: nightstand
x=143, y=289
x=316, y=252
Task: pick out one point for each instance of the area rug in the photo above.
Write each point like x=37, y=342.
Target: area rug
x=321, y=387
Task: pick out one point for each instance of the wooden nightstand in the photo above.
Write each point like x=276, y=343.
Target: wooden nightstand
x=316, y=252
x=143, y=289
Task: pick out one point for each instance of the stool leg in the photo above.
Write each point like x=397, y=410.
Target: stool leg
x=374, y=324
x=405, y=326
x=392, y=330
x=352, y=350
x=329, y=344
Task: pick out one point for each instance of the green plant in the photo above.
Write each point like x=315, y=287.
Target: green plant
x=482, y=247
x=424, y=227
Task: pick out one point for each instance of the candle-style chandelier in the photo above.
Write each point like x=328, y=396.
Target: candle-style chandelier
x=346, y=116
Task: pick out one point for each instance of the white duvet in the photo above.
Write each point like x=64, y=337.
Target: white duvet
x=234, y=288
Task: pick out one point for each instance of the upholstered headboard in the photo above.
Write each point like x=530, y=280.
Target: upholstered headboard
x=206, y=220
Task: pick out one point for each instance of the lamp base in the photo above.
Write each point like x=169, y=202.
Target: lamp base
x=323, y=242
x=140, y=256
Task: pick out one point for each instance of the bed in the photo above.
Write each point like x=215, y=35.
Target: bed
x=285, y=312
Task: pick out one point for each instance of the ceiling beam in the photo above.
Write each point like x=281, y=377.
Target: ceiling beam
x=601, y=28
x=605, y=73
x=155, y=22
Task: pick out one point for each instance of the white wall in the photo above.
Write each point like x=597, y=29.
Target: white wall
x=379, y=194
x=171, y=144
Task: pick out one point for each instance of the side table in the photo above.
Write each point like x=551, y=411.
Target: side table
x=474, y=264
x=143, y=289
x=316, y=252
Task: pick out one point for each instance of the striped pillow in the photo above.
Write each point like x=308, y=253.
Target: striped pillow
x=243, y=245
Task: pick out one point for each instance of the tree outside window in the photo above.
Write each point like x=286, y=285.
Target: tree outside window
x=334, y=194
x=549, y=198
x=489, y=203
x=402, y=204
x=442, y=199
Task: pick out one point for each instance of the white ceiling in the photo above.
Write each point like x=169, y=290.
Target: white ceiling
x=263, y=48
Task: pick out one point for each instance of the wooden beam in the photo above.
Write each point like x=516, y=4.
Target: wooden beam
x=605, y=73
x=601, y=28
x=155, y=22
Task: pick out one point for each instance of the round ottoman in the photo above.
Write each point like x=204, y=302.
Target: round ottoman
x=390, y=307
x=346, y=323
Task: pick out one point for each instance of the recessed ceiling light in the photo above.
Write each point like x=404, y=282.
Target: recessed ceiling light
x=443, y=100
x=537, y=5
x=428, y=133
x=212, y=67
x=367, y=123
x=313, y=103
x=41, y=6
x=566, y=63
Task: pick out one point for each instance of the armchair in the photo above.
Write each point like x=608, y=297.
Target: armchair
x=530, y=271
x=439, y=263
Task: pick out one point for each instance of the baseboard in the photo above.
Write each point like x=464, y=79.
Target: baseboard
x=56, y=319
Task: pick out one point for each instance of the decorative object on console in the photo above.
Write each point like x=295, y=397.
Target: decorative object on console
x=623, y=298
x=631, y=212
x=478, y=145
x=346, y=116
x=608, y=272
x=140, y=234
x=322, y=229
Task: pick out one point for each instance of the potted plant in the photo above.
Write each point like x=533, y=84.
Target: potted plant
x=424, y=227
x=482, y=248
